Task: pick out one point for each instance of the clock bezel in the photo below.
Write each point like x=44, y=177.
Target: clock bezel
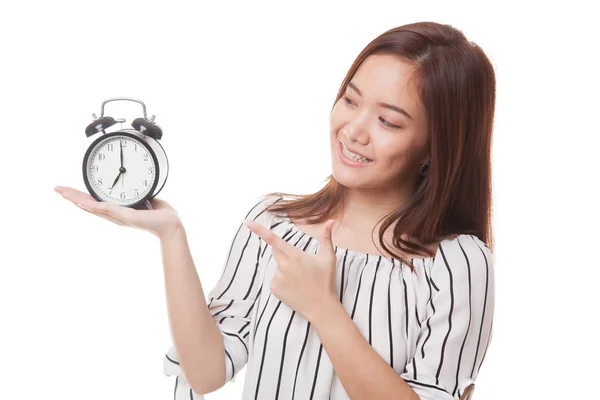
x=140, y=141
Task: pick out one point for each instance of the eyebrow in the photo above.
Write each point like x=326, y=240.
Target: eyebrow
x=390, y=106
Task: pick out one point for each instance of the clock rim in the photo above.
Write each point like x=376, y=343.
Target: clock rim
x=106, y=136
x=167, y=165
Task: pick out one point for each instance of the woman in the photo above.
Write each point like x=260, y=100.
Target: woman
x=407, y=317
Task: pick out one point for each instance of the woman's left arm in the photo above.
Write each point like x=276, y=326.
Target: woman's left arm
x=464, y=274
x=306, y=283
x=361, y=370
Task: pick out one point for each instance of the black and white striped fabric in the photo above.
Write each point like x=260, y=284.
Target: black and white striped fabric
x=433, y=326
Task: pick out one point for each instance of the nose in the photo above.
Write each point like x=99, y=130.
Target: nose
x=357, y=127
x=356, y=133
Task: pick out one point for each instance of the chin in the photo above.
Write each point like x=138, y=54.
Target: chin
x=346, y=177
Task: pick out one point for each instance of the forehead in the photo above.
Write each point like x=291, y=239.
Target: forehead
x=387, y=78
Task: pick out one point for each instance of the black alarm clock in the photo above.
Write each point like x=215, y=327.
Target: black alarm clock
x=127, y=167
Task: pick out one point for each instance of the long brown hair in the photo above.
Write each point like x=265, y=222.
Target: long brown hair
x=456, y=84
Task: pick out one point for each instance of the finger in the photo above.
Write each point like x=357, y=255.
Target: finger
x=279, y=256
x=60, y=189
x=76, y=195
x=66, y=189
x=76, y=199
x=116, y=221
x=105, y=216
x=108, y=210
x=271, y=238
x=326, y=242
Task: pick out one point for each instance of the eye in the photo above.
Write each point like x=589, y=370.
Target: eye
x=388, y=124
x=347, y=100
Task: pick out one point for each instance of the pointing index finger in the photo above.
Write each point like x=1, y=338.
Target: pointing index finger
x=268, y=236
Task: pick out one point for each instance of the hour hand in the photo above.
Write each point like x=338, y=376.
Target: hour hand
x=114, y=183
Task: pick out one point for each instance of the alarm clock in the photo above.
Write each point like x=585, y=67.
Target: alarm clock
x=127, y=167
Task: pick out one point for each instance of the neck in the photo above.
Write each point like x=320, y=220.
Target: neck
x=364, y=208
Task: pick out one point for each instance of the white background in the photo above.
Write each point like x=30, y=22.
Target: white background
x=243, y=92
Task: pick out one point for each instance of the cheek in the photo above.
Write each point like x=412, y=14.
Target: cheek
x=337, y=117
x=394, y=153
x=391, y=144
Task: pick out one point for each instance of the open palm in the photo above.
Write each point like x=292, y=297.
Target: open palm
x=161, y=220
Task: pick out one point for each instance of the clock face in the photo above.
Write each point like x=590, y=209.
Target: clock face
x=119, y=182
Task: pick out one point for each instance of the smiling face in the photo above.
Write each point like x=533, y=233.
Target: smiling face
x=393, y=136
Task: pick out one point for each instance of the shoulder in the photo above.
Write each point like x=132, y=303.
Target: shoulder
x=465, y=241
x=463, y=257
x=259, y=208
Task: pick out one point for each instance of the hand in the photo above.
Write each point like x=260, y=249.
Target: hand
x=114, y=182
x=303, y=281
x=121, y=169
x=162, y=221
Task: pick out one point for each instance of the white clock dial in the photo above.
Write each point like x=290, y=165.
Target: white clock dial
x=132, y=182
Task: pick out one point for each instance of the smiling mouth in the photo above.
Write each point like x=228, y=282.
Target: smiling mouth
x=349, y=154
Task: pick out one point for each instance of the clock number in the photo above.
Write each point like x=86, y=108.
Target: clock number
x=150, y=170
x=145, y=182
x=95, y=168
x=99, y=181
x=145, y=156
x=122, y=195
x=124, y=143
x=135, y=146
x=136, y=193
x=110, y=147
x=101, y=156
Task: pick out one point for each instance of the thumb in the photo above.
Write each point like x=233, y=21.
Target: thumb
x=327, y=243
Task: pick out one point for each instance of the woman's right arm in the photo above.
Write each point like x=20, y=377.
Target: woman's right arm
x=206, y=349
x=196, y=338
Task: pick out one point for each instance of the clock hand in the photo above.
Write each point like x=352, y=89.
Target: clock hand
x=116, y=179
x=122, y=183
x=121, y=170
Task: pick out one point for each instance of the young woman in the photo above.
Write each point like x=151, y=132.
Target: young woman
x=317, y=308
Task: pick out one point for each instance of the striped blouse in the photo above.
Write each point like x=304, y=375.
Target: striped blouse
x=433, y=326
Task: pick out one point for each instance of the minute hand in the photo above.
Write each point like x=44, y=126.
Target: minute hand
x=122, y=169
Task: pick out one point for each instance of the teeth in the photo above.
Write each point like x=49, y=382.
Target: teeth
x=353, y=156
